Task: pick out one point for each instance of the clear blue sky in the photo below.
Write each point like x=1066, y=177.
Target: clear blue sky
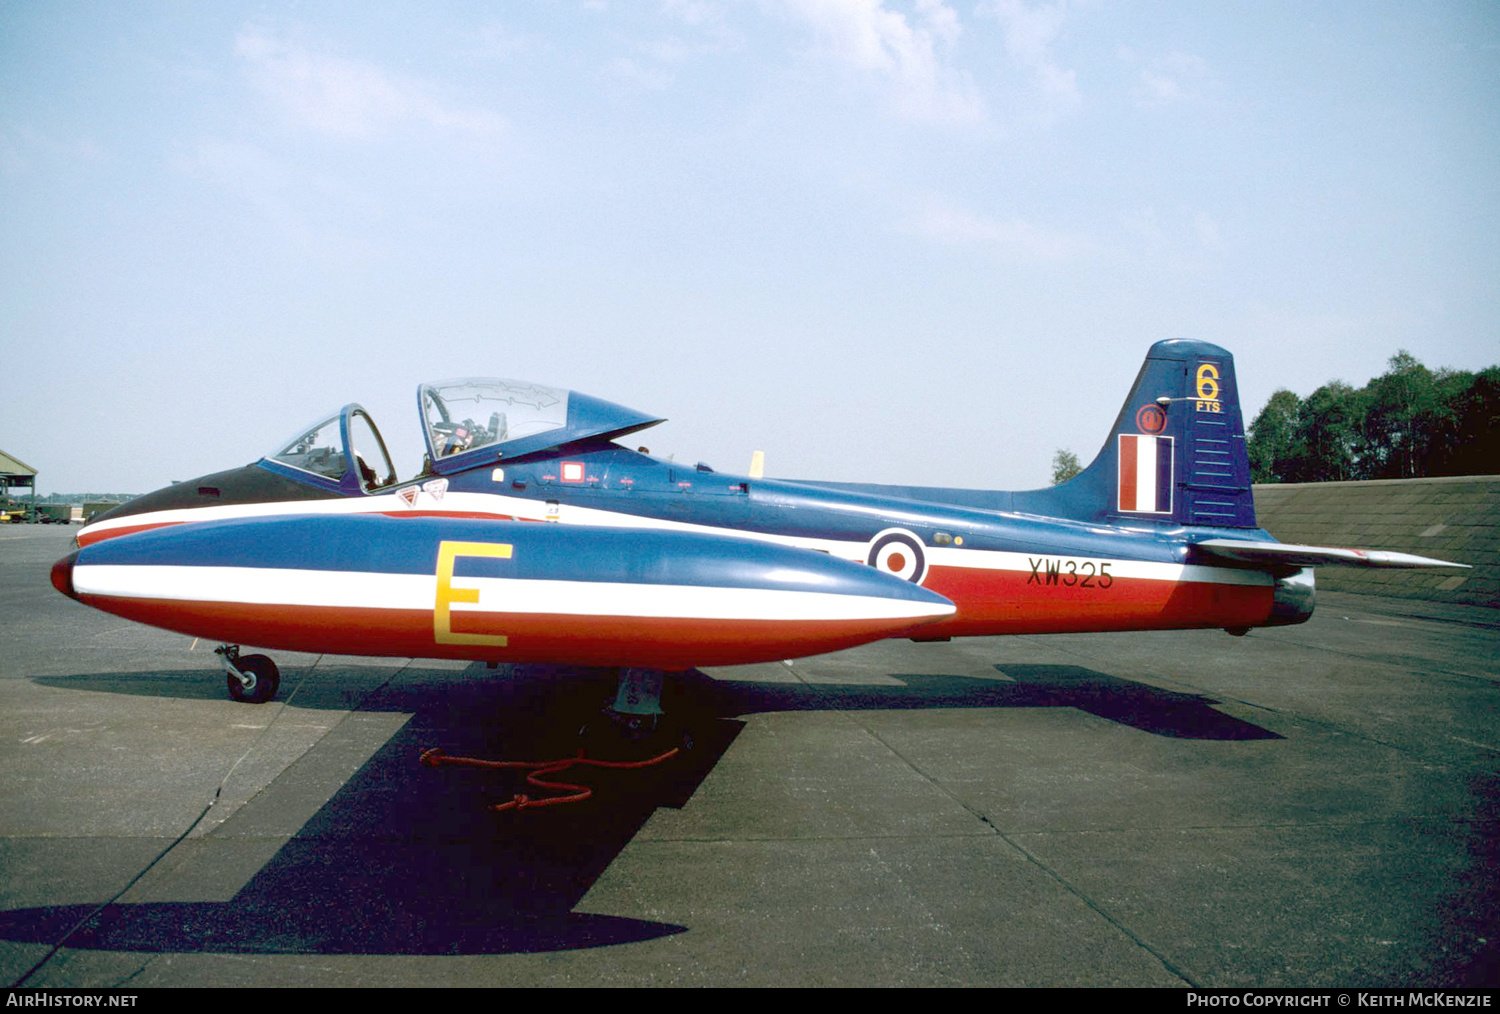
x=918, y=241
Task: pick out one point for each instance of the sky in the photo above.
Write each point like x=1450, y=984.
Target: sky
x=883, y=241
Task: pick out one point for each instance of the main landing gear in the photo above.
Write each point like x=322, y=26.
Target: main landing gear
x=251, y=679
x=635, y=716
x=637, y=707
x=630, y=734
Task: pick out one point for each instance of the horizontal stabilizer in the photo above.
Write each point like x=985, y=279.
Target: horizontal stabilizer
x=1245, y=551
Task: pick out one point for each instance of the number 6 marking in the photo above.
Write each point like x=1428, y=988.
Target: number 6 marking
x=1208, y=382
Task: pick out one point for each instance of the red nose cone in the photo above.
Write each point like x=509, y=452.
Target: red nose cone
x=62, y=575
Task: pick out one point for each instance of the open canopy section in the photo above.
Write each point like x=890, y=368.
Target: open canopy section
x=478, y=419
x=343, y=452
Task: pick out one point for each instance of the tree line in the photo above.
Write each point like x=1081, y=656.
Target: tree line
x=1408, y=422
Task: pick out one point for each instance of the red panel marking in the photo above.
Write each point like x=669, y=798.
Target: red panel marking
x=1129, y=497
x=87, y=538
x=477, y=515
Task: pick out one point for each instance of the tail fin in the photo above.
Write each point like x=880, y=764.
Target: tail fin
x=1176, y=453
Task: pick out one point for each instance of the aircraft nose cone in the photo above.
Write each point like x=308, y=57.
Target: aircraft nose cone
x=62, y=575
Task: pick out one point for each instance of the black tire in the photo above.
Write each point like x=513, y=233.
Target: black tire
x=265, y=679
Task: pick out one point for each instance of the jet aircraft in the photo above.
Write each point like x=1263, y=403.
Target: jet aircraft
x=1159, y=532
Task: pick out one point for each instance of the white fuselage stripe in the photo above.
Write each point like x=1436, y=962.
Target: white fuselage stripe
x=496, y=504
x=354, y=589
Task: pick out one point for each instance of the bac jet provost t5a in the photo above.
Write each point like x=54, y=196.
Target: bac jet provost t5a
x=1159, y=532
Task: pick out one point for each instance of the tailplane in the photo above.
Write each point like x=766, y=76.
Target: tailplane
x=1176, y=453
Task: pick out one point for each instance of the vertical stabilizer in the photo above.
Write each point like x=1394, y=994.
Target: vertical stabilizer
x=1176, y=453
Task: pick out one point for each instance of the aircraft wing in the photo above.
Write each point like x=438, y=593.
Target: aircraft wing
x=1283, y=554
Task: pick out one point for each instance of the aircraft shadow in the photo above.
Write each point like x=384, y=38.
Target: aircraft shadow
x=405, y=859
x=1138, y=705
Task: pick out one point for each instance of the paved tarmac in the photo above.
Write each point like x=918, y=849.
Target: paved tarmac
x=1306, y=806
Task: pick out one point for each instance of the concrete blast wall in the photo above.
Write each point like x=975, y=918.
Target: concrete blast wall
x=1455, y=519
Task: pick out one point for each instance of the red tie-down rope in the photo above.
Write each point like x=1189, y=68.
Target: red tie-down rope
x=436, y=758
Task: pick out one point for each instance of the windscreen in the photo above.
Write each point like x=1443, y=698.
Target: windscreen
x=319, y=449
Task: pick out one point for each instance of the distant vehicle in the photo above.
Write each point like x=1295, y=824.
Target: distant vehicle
x=56, y=514
x=92, y=508
x=1159, y=532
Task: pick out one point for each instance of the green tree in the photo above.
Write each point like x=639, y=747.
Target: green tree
x=1275, y=443
x=1331, y=421
x=1444, y=429
x=1409, y=421
x=1064, y=466
x=1401, y=417
x=1475, y=447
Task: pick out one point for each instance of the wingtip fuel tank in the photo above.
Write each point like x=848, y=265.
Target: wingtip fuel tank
x=498, y=591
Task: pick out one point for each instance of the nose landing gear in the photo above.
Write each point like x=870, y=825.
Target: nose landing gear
x=251, y=679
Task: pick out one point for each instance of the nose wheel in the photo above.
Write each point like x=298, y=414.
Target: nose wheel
x=251, y=679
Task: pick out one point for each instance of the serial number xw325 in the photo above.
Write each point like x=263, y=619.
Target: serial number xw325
x=1082, y=573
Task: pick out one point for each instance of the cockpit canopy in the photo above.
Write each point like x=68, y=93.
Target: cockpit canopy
x=472, y=421
x=466, y=415
x=466, y=424
x=343, y=452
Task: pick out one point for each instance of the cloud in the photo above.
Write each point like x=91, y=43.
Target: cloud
x=307, y=210
x=23, y=149
x=907, y=56
x=1144, y=229
x=1170, y=79
x=940, y=219
x=351, y=97
x=1207, y=230
x=696, y=13
x=1179, y=240
x=496, y=42
x=698, y=30
x=637, y=75
x=1030, y=34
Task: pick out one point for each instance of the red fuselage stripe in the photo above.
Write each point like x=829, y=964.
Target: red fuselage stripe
x=1017, y=602
x=657, y=642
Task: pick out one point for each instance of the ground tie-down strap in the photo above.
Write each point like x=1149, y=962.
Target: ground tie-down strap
x=537, y=772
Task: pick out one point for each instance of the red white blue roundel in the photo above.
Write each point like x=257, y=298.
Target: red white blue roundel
x=1151, y=419
x=899, y=552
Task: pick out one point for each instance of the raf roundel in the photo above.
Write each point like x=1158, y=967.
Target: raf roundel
x=899, y=552
x=1151, y=419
